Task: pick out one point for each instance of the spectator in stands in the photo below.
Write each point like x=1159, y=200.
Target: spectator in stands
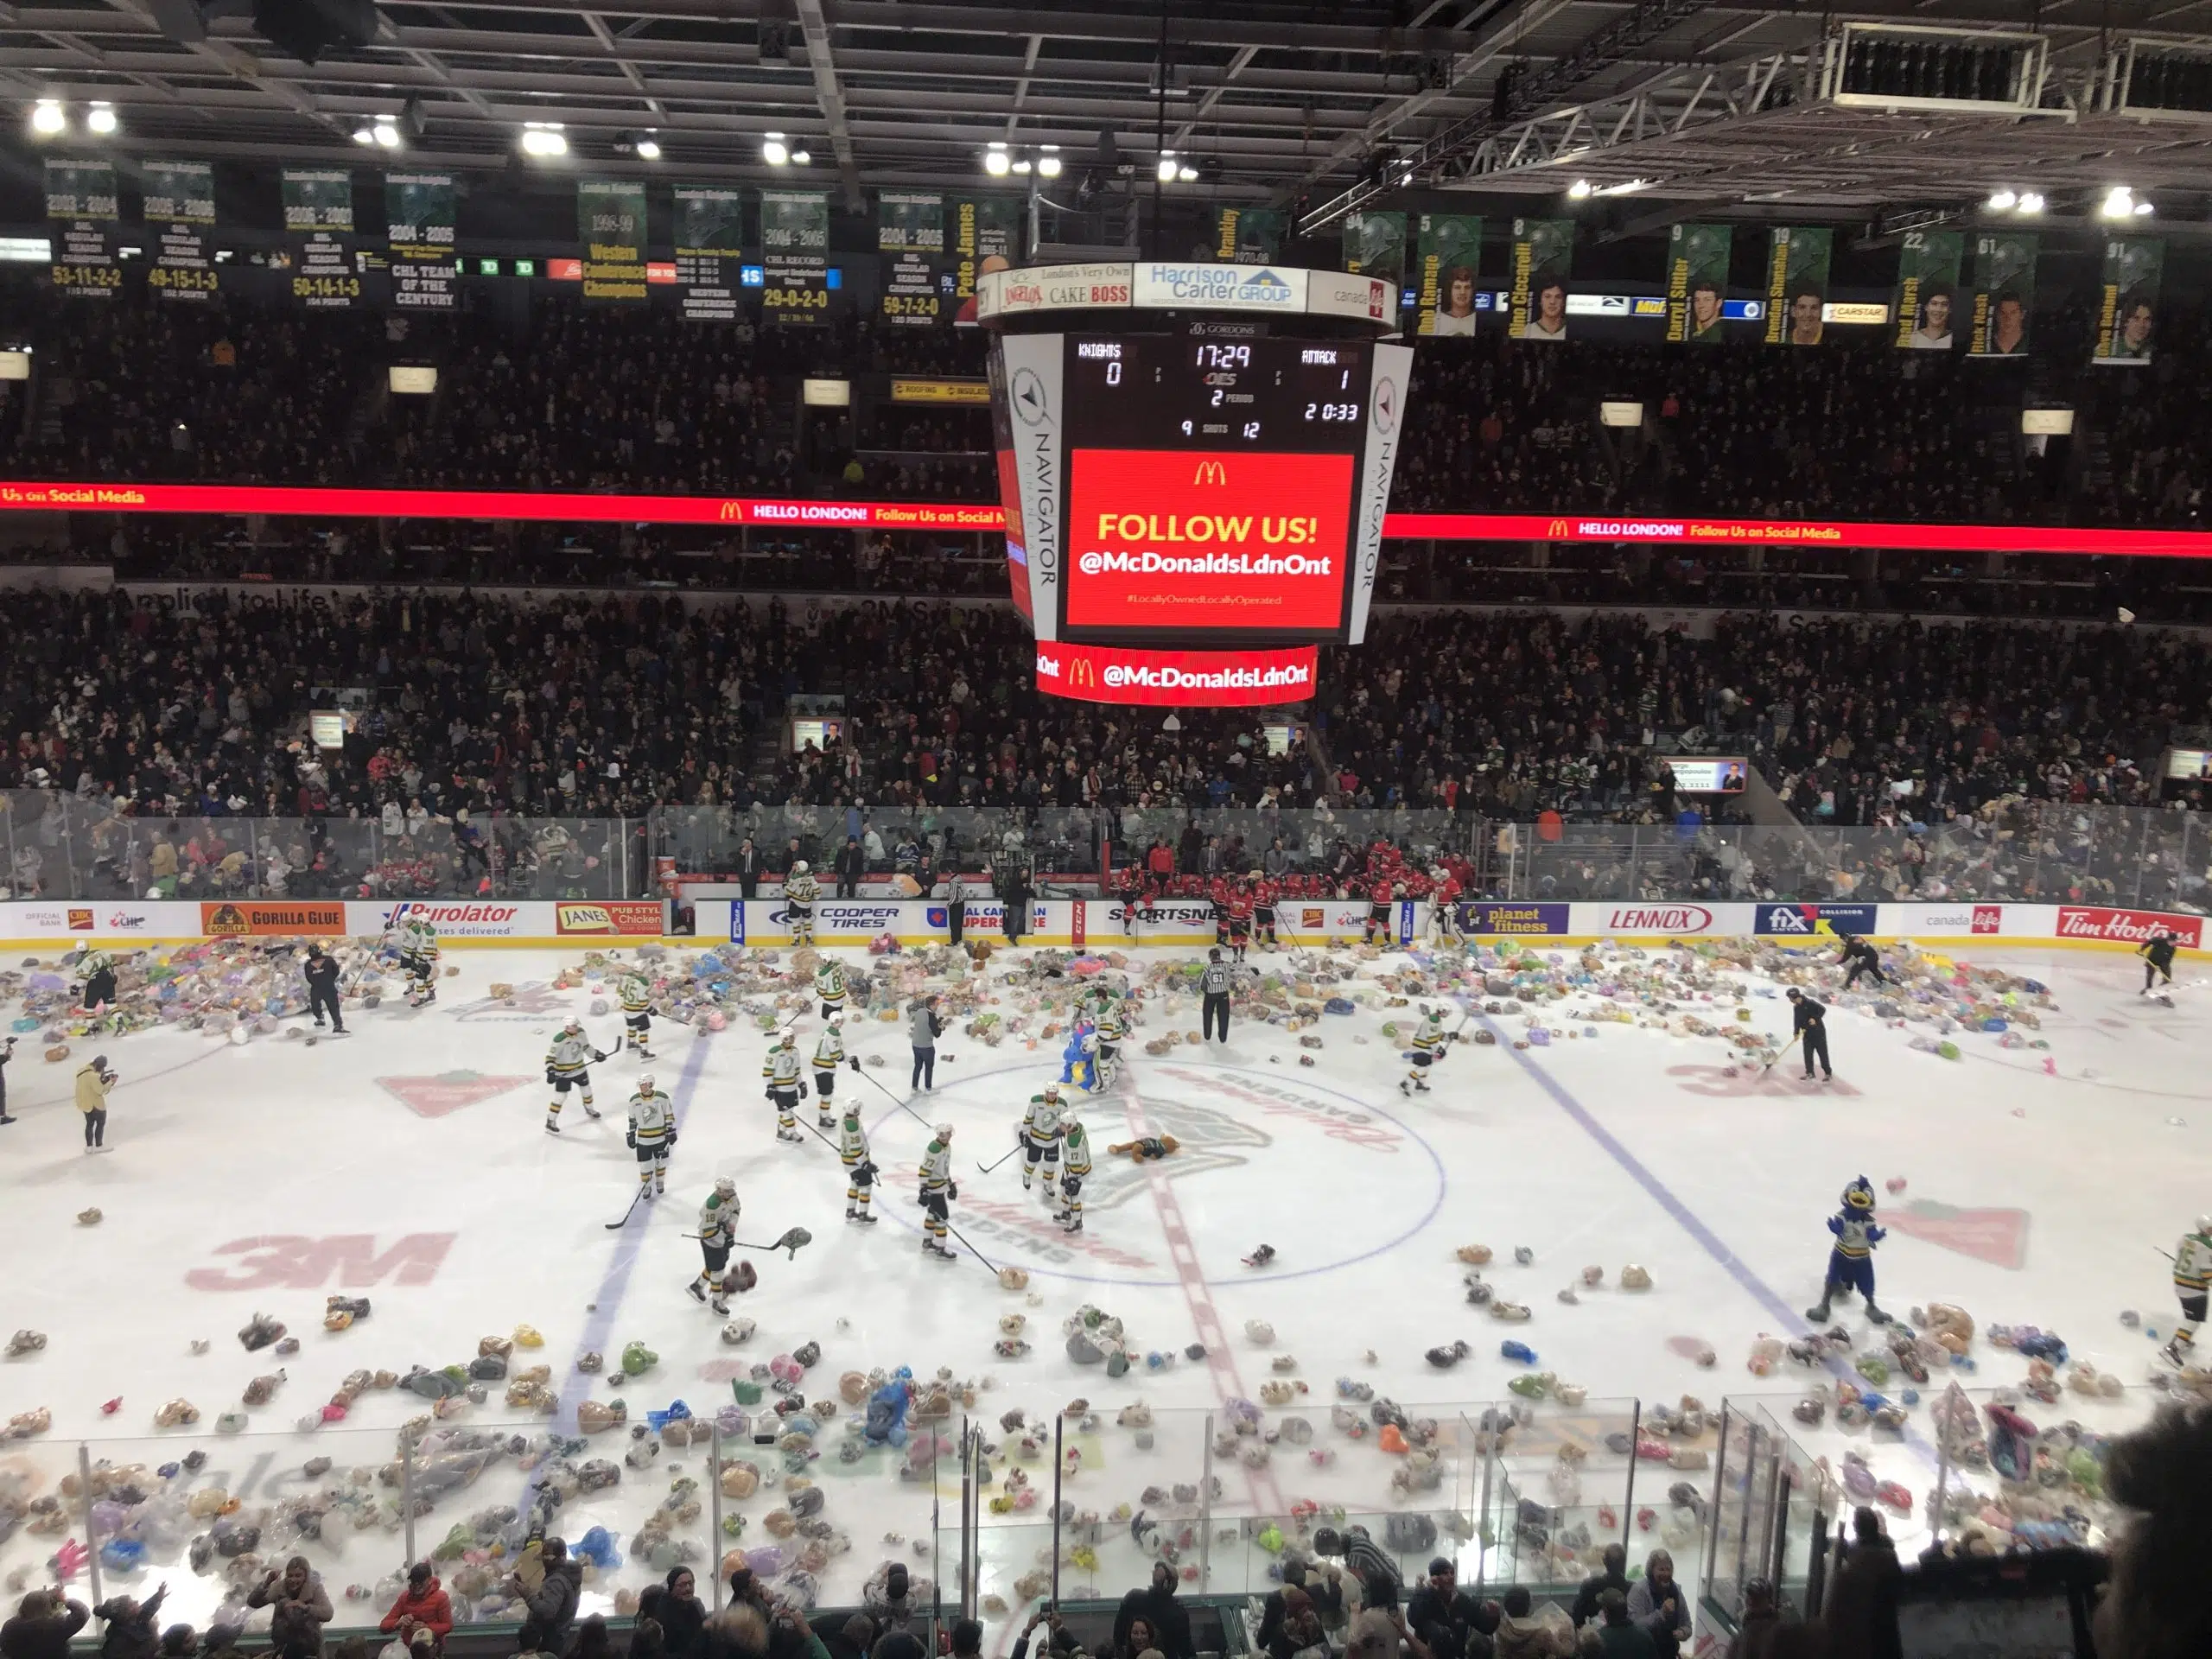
x=551, y=1604
x=1612, y=1574
x=1620, y=1636
x=299, y=1608
x=675, y=1606
x=1660, y=1604
x=1860, y=1608
x=1756, y=1625
x=131, y=1625
x=2153, y=1605
x=44, y=1622
x=424, y=1605
x=1156, y=1606
x=1443, y=1615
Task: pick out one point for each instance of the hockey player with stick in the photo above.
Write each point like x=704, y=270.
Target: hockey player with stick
x=1864, y=959
x=1380, y=899
x=800, y=891
x=1076, y=1165
x=419, y=957
x=1444, y=910
x=786, y=1086
x=567, y=1066
x=2157, y=954
x=2192, y=1267
x=1039, y=1135
x=829, y=986
x=1851, y=1261
x=652, y=1135
x=717, y=1232
x=1113, y=1029
x=939, y=1191
x=1264, y=894
x=860, y=1167
x=1429, y=1043
x=97, y=968
x=637, y=994
x=828, y=1055
x=1240, y=908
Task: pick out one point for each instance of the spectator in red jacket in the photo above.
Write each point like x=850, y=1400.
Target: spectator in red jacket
x=422, y=1604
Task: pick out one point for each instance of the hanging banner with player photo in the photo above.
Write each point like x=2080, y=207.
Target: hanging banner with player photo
x=180, y=199
x=611, y=226
x=420, y=224
x=1797, y=283
x=2127, y=312
x=985, y=234
x=1375, y=245
x=1543, y=255
x=709, y=246
x=319, y=237
x=795, y=256
x=2004, y=295
x=1928, y=315
x=1697, y=281
x=1449, y=251
x=1247, y=235
x=910, y=234
x=81, y=226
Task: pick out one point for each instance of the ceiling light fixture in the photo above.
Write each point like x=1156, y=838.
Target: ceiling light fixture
x=1166, y=168
x=1048, y=166
x=2003, y=202
x=1184, y=173
x=1578, y=190
x=48, y=118
x=774, y=150
x=538, y=138
x=2030, y=202
x=101, y=120
x=2119, y=203
x=386, y=135
x=364, y=134
x=801, y=155
x=997, y=163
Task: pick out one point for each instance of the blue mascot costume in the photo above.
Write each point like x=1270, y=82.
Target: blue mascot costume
x=1079, y=1059
x=1851, y=1261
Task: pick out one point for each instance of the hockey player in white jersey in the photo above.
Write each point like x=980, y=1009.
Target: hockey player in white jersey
x=860, y=1167
x=786, y=1086
x=1429, y=1041
x=1075, y=1165
x=1039, y=1135
x=418, y=956
x=652, y=1135
x=2192, y=1267
x=828, y=1055
x=829, y=986
x=939, y=1191
x=717, y=1232
x=637, y=994
x=568, y=1066
x=800, y=891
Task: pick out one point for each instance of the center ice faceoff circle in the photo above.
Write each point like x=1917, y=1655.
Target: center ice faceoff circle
x=1339, y=1181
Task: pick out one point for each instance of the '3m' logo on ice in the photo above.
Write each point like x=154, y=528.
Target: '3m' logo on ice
x=342, y=1261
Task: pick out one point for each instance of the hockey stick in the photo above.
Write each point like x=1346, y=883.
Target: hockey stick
x=614, y=1226
x=987, y=1169
x=901, y=1105
x=972, y=1250
x=792, y=1239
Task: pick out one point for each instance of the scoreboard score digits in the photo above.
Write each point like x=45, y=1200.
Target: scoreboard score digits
x=1148, y=392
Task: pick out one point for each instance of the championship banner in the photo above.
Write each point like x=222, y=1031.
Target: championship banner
x=1697, y=281
x=1375, y=245
x=1247, y=235
x=1543, y=254
x=795, y=256
x=1927, y=308
x=420, y=226
x=1450, y=250
x=1797, y=284
x=2004, y=295
x=910, y=234
x=709, y=240
x=986, y=234
x=318, y=237
x=80, y=212
x=179, y=199
x=611, y=226
x=2128, y=309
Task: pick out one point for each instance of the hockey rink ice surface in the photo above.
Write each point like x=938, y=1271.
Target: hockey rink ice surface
x=407, y=1163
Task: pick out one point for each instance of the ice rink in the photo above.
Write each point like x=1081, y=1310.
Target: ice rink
x=407, y=1163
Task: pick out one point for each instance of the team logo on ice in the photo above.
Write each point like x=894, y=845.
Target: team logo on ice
x=446, y=1093
x=532, y=1001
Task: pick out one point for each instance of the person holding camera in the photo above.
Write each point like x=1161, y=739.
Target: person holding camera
x=93, y=1083
x=7, y=1053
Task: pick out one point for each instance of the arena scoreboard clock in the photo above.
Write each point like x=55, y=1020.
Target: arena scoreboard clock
x=1181, y=477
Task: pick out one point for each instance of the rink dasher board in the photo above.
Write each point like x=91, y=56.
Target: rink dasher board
x=1085, y=923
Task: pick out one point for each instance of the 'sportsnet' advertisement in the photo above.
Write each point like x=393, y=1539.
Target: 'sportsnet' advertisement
x=1173, y=538
x=1190, y=679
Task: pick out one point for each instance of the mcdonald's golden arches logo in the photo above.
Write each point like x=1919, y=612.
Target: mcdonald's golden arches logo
x=1209, y=472
x=1082, y=671
x=731, y=510
x=1556, y=529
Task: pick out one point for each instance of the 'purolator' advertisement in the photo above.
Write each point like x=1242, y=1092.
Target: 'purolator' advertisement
x=1167, y=538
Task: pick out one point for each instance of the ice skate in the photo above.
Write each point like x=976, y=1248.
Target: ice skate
x=866, y=1217
x=1073, y=1226
x=720, y=1304
x=698, y=1292
x=822, y=1122
x=591, y=1111
x=552, y=1128
x=931, y=1247
x=2178, y=1351
x=789, y=1134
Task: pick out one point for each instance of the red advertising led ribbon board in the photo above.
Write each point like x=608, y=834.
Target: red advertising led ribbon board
x=1173, y=538
x=547, y=506
x=1189, y=679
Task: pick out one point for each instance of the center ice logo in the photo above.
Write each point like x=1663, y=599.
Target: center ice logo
x=1205, y=1140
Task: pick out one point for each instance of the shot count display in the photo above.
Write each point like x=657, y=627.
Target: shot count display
x=1211, y=483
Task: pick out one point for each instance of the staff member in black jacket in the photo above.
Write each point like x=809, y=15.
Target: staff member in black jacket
x=2157, y=954
x=7, y=1053
x=748, y=870
x=1809, y=1024
x=851, y=865
x=322, y=972
x=1864, y=959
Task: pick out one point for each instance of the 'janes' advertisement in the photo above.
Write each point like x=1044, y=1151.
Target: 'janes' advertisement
x=1167, y=538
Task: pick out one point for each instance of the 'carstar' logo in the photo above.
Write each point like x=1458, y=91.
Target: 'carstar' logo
x=1659, y=918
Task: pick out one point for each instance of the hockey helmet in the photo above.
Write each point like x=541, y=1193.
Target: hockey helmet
x=790, y=1039
x=574, y=1024
x=798, y=867
x=944, y=1132
x=1052, y=1091
x=838, y=1018
x=2204, y=1224
x=645, y=1082
x=1075, y=1128
x=725, y=1186
x=1859, y=1195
